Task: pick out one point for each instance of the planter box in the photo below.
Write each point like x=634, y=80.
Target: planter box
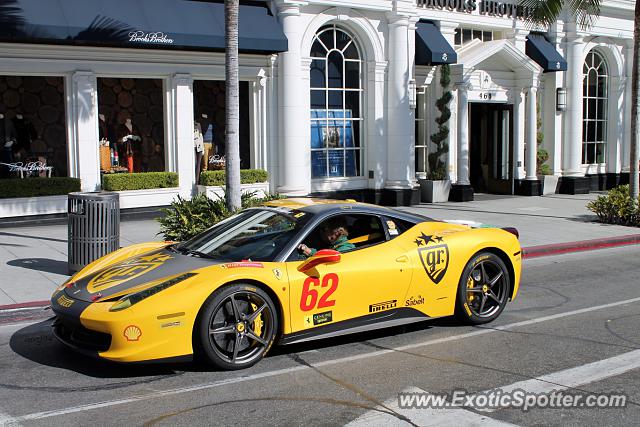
x=213, y=192
x=434, y=191
x=549, y=184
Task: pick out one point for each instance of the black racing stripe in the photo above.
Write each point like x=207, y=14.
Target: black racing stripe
x=368, y=322
x=71, y=311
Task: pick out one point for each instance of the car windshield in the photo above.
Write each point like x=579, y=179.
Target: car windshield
x=255, y=234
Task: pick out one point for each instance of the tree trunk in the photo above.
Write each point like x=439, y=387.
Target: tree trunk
x=232, y=111
x=633, y=169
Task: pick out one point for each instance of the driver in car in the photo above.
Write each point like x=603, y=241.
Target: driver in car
x=335, y=233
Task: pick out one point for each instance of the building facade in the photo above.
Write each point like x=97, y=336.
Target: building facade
x=337, y=97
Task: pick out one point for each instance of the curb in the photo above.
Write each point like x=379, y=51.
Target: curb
x=23, y=305
x=580, y=246
x=529, y=252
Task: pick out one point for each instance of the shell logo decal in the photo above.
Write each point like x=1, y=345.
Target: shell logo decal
x=132, y=333
x=121, y=273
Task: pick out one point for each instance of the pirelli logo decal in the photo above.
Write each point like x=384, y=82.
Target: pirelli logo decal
x=382, y=306
x=64, y=301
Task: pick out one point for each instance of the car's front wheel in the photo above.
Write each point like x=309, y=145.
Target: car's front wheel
x=483, y=290
x=237, y=326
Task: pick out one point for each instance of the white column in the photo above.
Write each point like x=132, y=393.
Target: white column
x=295, y=148
x=463, y=134
x=531, y=132
x=518, y=133
x=85, y=115
x=572, y=147
x=377, y=142
x=272, y=124
x=628, y=103
x=182, y=89
x=400, y=152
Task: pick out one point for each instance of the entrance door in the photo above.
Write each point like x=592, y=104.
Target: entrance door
x=491, y=148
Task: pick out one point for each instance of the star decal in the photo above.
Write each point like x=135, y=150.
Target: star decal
x=438, y=239
x=427, y=239
x=418, y=242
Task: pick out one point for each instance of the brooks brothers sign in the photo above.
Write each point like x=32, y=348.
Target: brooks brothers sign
x=484, y=7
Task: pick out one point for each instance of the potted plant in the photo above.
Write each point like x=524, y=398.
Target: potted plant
x=435, y=188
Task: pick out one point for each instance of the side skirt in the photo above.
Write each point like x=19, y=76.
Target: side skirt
x=370, y=322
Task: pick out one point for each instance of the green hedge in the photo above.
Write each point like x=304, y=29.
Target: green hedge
x=32, y=187
x=139, y=181
x=247, y=176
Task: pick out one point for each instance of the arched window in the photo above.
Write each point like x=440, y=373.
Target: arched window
x=595, y=93
x=336, y=105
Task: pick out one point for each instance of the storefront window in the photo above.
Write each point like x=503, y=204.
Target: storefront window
x=465, y=35
x=209, y=121
x=422, y=136
x=33, y=136
x=131, y=125
x=336, y=99
x=594, y=109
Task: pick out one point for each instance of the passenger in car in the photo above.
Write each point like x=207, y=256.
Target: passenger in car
x=335, y=233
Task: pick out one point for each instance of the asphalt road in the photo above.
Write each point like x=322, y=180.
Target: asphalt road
x=574, y=327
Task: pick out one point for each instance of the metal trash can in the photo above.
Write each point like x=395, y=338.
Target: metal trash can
x=94, y=227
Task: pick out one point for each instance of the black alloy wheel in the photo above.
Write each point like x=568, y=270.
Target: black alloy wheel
x=237, y=326
x=484, y=289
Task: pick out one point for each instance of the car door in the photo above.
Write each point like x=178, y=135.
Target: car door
x=372, y=278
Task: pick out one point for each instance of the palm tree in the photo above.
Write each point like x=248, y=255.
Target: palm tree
x=232, y=113
x=545, y=12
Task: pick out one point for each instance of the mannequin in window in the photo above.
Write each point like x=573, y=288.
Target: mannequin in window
x=198, y=145
x=129, y=135
x=206, y=127
x=8, y=139
x=25, y=133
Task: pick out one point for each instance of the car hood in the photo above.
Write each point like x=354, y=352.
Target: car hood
x=133, y=272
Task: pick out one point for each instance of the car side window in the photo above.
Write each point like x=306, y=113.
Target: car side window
x=397, y=226
x=360, y=231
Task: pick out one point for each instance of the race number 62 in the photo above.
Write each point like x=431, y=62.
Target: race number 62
x=311, y=291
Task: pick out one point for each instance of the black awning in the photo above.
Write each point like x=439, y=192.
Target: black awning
x=542, y=52
x=165, y=24
x=431, y=46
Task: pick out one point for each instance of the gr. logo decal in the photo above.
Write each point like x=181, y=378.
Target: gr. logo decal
x=64, y=301
x=435, y=258
x=122, y=272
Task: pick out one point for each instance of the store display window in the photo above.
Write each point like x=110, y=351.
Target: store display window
x=33, y=137
x=131, y=125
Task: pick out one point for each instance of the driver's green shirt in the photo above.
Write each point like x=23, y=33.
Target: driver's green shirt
x=342, y=244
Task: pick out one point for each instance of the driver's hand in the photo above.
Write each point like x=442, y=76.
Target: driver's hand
x=304, y=249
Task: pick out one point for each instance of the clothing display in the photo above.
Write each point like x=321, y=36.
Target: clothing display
x=25, y=133
x=129, y=135
x=8, y=139
x=198, y=145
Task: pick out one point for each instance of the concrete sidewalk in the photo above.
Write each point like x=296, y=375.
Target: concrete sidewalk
x=33, y=260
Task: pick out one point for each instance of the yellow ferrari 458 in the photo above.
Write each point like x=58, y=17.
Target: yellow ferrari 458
x=290, y=271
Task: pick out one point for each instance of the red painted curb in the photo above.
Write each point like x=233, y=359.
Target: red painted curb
x=580, y=246
x=31, y=304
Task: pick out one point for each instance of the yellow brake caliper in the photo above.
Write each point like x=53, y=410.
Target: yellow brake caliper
x=470, y=295
x=258, y=323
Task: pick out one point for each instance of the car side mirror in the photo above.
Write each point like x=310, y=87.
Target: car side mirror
x=323, y=256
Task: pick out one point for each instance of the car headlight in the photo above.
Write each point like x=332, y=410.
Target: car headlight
x=131, y=299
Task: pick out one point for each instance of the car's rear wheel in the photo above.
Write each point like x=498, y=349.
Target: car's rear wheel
x=483, y=290
x=237, y=326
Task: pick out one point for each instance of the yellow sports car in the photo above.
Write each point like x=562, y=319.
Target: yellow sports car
x=290, y=271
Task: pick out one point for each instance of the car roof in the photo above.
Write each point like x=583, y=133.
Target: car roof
x=327, y=206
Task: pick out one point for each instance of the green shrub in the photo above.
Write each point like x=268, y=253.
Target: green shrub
x=139, y=181
x=247, y=176
x=186, y=218
x=33, y=187
x=616, y=207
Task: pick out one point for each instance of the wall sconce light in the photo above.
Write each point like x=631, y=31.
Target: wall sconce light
x=413, y=102
x=561, y=99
